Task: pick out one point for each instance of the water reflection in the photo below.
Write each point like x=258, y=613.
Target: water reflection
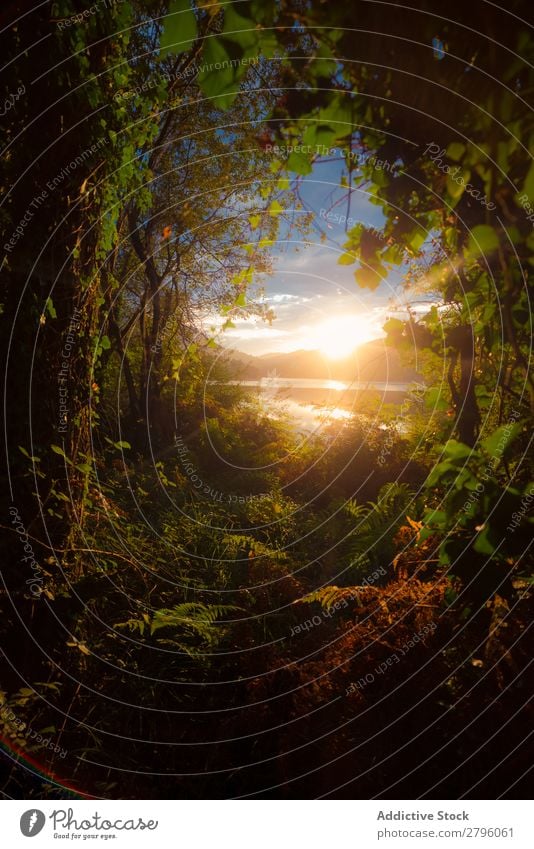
x=309, y=403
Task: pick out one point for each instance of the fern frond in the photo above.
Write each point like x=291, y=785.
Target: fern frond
x=238, y=541
x=370, y=544
x=197, y=617
x=355, y=510
x=331, y=595
x=193, y=619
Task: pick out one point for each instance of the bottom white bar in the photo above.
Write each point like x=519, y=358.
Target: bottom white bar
x=268, y=824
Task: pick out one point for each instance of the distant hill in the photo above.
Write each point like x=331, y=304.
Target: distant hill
x=372, y=361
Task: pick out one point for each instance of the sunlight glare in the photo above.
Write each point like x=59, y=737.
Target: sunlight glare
x=338, y=337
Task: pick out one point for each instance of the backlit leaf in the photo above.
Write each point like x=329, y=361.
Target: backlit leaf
x=179, y=28
x=482, y=240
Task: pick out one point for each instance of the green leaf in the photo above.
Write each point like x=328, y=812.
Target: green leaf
x=455, y=151
x=346, y=259
x=239, y=29
x=219, y=77
x=84, y=468
x=435, y=399
x=367, y=278
x=416, y=239
x=456, y=451
x=482, y=240
x=50, y=308
x=320, y=134
x=275, y=209
x=29, y=456
x=439, y=471
x=105, y=344
x=394, y=326
x=268, y=44
x=435, y=519
x=62, y=497
x=455, y=189
x=485, y=542
x=450, y=595
x=499, y=441
x=179, y=28
x=299, y=163
x=339, y=115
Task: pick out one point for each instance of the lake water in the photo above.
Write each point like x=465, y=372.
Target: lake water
x=311, y=402
x=278, y=384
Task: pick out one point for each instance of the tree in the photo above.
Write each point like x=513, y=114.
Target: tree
x=193, y=253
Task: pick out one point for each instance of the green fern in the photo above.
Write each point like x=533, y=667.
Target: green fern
x=237, y=542
x=370, y=545
x=196, y=617
x=191, y=620
x=331, y=595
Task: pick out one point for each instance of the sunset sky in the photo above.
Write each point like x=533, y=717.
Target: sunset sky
x=318, y=304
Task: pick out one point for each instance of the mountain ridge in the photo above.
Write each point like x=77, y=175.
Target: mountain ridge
x=371, y=361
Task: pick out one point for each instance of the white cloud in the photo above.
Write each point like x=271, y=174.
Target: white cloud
x=254, y=333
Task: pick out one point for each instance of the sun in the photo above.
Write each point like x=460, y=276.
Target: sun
x=338, y=337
